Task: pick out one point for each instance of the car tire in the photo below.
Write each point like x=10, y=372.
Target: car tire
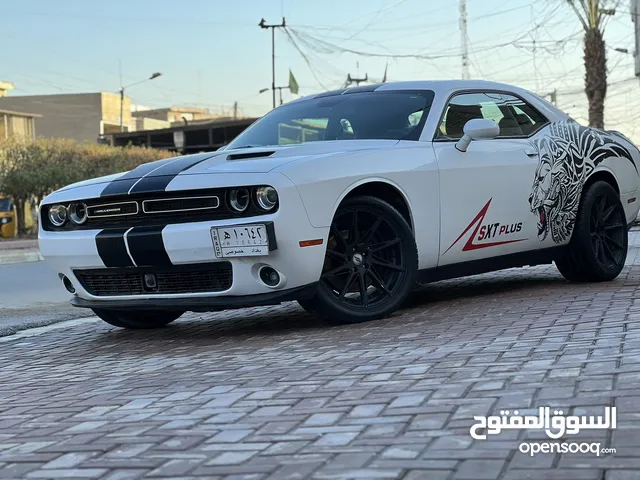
x=598, y=248
x=377, y=263
x=137, y=320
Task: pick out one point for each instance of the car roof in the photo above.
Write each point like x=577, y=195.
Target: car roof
x=439, y=86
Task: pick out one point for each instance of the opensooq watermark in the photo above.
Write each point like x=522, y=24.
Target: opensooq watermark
x=554, y=426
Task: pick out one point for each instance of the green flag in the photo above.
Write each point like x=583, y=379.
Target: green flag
x=293, y=85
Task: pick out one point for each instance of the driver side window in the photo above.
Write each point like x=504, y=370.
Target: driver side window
x=506, y=110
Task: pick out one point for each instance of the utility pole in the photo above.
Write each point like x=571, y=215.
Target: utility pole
x=235, y=110
x=273, y=27
x=464, y=40
x=635, y=11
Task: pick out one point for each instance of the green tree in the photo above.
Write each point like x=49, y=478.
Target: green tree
x=592, y=15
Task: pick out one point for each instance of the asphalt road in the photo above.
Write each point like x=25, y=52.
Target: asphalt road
x=31, y=295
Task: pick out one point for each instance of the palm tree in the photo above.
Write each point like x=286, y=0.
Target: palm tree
x=592, y=15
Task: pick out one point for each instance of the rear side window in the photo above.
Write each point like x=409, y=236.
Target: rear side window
x=514, y=116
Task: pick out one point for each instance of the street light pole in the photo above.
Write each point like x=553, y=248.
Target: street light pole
x=155, y=75
x=273, y=27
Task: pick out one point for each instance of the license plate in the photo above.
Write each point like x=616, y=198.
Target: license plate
x=240, y=241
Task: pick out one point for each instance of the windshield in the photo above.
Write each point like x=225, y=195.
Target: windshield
x=393, y=115
x=6, y=205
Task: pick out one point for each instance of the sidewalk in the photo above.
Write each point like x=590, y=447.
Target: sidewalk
x=19, y=251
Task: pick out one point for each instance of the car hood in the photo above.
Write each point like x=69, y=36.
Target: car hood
x=241, y=160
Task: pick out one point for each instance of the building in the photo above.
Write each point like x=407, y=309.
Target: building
x=178, y=115
x=82, y=116
x=199, y=136
x=17, y=124
x=5, y=87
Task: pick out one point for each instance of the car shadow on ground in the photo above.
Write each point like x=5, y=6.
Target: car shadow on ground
x=289, y=319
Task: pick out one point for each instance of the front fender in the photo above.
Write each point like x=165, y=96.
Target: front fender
x=408, y=166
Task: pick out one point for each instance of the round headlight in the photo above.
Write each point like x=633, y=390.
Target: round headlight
x=267, y=197
x=78, y=213
x=239, y=199
x=58, y=215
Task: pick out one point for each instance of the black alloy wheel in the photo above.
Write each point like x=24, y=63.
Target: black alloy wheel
x=598, y=247
x=608, y=231
x=370, y=264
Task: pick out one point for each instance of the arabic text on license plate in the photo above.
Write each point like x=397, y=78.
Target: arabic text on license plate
x=240, y=241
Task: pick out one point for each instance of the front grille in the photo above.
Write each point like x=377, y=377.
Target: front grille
x=155, y=209
x=212, y=277
x=189, y=204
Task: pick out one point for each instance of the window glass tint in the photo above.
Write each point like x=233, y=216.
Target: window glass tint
x=394, y=115
x=6, y=205
x=515, y=117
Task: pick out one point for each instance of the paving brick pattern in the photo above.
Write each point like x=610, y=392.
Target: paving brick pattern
x=271, y=393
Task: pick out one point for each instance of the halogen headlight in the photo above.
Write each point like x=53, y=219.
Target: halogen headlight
x=78, y=213
x=267, y=197
x=5, y=220
x=58, y=215
x=239, y=199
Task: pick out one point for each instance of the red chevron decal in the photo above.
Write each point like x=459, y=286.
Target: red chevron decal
x=477, y=221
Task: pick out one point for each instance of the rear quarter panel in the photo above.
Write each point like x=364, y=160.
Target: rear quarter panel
x=409, y=166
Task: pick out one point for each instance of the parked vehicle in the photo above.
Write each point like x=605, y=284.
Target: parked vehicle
x=7, y=218
x=344, y=200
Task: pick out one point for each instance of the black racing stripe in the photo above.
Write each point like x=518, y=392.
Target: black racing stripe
x=163, y=176
x=122, y=184
x=118, y=187
x=112, y=249
x=147, y=248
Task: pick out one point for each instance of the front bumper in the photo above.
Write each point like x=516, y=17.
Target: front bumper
x=209, y=303
x=191, y=244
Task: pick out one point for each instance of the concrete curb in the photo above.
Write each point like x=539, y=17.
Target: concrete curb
x=23, y=257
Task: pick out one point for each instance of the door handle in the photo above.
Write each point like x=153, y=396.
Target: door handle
x=531, y=152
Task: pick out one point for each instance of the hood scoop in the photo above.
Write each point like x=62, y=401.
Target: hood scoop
x=241, y=156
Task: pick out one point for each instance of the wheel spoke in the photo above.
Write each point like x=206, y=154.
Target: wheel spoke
x=608, y=253
x=612, y=226
x=381, y=246
x=598, y=247
x=347, y=284
x=353, y=231
x=385, y=264
x=337, y=256
x=366, y=238
x=378, y=282
x=338, y=237
x=611, y=240
x=335, y=271
x=608, y=213
x=363, y=289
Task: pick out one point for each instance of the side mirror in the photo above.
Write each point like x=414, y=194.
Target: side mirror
x=477, y=129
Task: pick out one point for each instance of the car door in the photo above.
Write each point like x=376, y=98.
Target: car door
x=484, y=191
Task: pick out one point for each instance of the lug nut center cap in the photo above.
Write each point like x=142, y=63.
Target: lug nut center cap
x=357, y=259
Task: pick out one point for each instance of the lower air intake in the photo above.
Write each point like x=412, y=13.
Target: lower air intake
x=105, y=282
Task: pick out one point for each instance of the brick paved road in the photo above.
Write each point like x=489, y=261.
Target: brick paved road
x=273, y=394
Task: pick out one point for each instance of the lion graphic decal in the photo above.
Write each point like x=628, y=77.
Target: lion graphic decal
x=567, y=155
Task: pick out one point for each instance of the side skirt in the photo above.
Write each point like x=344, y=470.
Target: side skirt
x=485, y=265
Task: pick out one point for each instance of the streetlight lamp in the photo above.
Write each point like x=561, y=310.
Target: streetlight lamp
x=155, y=75
x=277, y=88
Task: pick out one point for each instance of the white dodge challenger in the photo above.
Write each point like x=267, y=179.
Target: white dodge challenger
x=344, y=201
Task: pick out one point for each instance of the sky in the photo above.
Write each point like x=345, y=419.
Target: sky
x=212, y=53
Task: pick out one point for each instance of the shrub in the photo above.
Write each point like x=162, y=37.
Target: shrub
x=31, y=169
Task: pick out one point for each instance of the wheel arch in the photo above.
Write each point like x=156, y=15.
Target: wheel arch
x=603, y=174
x=382, y=189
